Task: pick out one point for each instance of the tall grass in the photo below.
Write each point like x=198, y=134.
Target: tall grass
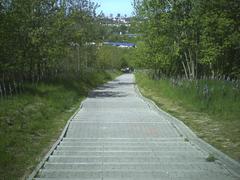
x=31, y=122
x=216, y=97
x=210, y=107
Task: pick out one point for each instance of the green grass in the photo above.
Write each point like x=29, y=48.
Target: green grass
x=31, y=122
x=211, y=158
x=213, y=117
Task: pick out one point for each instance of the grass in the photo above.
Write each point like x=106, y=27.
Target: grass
x=211, y=158
x=31, y=122
x=213, y=114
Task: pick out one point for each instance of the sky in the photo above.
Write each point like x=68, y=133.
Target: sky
x=115, y=6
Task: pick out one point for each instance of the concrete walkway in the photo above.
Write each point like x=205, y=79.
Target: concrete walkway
x=117, y=134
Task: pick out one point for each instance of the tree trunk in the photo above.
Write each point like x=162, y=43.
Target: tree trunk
x=192, y=64
x=185, y=70
x=188, y=65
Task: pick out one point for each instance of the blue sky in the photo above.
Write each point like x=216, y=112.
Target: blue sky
x=115, y=7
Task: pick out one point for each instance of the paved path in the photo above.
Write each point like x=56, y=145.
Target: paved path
x=118, y=135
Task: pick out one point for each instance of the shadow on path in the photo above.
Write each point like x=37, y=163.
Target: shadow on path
x=110, y=94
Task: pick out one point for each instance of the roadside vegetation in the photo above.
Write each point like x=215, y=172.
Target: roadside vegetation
x=31, y=122
x=209, y=107
x=190, y=38
x=52, y=54
x=111, y=57
x=189, y=54
x=46, y=40
x=50, y=58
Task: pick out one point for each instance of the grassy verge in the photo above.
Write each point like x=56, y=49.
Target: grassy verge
x=212, y=114
x=30, y=123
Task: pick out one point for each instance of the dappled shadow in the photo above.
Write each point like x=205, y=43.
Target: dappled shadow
x=116, y=80
x=96, y=94
x=126, y=83
x=114, y=85
x=103, y=87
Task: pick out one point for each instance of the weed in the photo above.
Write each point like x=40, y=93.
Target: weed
x=211, y=158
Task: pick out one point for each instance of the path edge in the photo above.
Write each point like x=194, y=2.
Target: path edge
x=230, y=164
x=58, y=141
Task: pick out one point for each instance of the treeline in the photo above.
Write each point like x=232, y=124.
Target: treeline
x=191, y=38
x=41, y=40
x=111, y=57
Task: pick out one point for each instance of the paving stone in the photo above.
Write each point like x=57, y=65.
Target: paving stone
x=117, y=135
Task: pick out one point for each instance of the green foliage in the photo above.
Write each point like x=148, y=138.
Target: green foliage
x=141, y=55
x=190, y=37
x=42, y=39
x=32, y=121
x=110, y=57
x=220, y=99
x=209, y=107
x=211, y=158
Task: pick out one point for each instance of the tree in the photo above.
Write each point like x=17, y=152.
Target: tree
x=36, y=38
x=189, y=37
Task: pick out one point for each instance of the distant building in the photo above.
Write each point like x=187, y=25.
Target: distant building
x=118, y=21
x=133, y=35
